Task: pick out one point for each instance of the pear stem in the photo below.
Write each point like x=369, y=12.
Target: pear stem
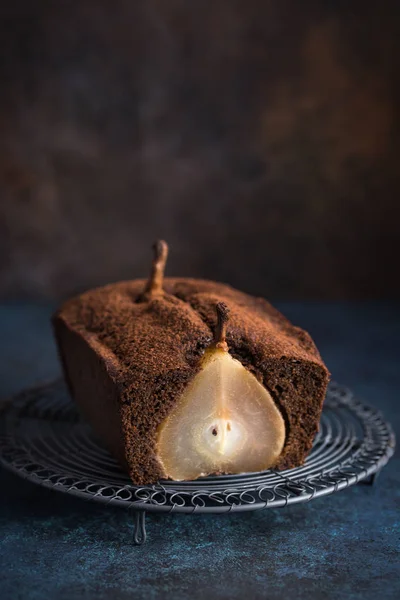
x=220, y=330
x=154, y=286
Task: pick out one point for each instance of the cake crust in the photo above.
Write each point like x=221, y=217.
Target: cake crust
x=127, y=359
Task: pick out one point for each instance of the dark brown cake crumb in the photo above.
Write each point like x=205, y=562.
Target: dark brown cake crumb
x=128, y=359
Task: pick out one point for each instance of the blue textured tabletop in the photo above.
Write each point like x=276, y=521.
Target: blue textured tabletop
x=346, y=544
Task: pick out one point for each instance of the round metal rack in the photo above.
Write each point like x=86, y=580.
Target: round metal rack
x=44, y=440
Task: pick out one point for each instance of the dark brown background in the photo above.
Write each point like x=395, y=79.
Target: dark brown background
x=260, y=138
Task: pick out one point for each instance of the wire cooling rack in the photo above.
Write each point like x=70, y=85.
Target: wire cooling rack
x=44, y=440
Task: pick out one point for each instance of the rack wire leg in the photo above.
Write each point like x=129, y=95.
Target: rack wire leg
x=139, y=532
x=371, y=480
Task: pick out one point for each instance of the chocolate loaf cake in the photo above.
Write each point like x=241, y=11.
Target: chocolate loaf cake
x=182, y=377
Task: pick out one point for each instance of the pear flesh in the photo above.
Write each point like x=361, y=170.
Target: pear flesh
x=225, y=422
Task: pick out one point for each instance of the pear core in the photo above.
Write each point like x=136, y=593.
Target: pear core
x=224, y=422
